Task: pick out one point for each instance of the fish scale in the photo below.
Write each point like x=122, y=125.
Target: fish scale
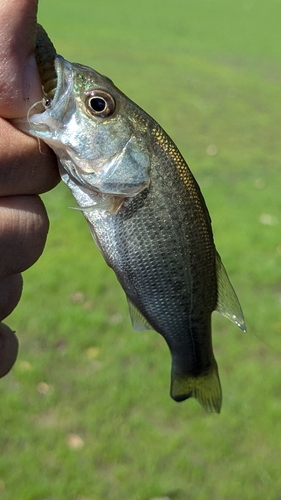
x=145, y=211
x=168, y=273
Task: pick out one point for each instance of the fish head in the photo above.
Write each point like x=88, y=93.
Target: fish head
x=99, y=135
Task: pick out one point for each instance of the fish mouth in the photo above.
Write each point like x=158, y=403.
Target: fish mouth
x=57, y=110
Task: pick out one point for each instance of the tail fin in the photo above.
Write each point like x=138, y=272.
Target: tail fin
x=206, y=388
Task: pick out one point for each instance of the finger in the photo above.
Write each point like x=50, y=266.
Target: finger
x=20, y=84
x=10, y=294
x=9, y=347
x=21, y=159
x=23, y=228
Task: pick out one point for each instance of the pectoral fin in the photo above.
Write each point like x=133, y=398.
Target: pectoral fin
x=228, y=303
x=110, y=204
x=139, y=322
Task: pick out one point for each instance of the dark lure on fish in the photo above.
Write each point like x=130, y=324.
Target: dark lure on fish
x=146, y=214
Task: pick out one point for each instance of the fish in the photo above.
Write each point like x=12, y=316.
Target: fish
x=145, y=211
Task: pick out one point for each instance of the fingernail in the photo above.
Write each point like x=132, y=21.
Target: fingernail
x=31, y=85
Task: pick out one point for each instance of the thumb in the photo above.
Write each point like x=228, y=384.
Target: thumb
x=9, y=347
x=20, y=84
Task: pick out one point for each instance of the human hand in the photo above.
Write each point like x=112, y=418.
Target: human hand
x=24, y=171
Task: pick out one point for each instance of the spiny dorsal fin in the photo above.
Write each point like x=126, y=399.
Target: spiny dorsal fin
x=228, y=303
x=139, y=323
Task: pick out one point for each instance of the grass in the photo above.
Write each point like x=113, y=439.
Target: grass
x=85, y=413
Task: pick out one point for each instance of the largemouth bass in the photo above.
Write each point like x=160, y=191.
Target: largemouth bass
x=145, y=211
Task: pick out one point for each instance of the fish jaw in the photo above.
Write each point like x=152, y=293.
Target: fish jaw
x=50, y=124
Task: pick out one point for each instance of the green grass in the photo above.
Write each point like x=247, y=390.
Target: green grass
x=86, y=414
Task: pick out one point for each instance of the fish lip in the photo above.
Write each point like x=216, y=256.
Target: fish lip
x=63, y=71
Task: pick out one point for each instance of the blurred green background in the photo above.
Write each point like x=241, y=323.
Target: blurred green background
x=85, y=413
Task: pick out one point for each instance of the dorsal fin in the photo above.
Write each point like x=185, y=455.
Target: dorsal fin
x=139, y=322
x=228, y=303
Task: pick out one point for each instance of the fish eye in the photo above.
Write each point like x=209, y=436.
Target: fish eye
x=100, y=103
